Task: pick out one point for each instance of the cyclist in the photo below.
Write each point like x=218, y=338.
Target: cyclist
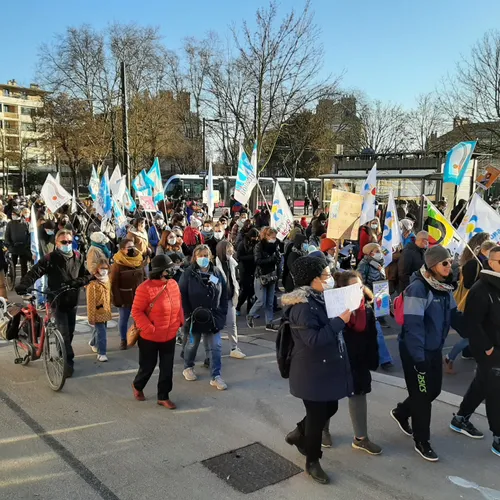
x=62, y=267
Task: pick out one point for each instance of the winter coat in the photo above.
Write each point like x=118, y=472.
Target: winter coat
x=154, y=236
x=47, y=242
x=370, y=271
x=125, y=279
x=293, y=255
x=411, y=260
x=365, y=236
x=428, y=316
x=192, y=238
x=94, y=255
x=160, y=324
x=246, y=261
x=98, y=302
x=362, y=348
x=471, y=271
x=140, y=239
x=198, y=290
x=319, y=369
x=59, y=269
x=232, y=267
x=481, y=318
x=267, y=258
x=17, y=238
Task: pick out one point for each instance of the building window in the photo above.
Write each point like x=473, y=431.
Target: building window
x=6, y=92
x=7, y=108
x=26, y=111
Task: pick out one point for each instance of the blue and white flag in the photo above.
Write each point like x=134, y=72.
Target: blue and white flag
x=142, y=184
x=94, y=184
x=246, y=177
x=457, y=161
x=391, y=237
x=115, y=181
x=210, y=191
x=154, y=175
x=104, y=204
x=34, y=246
x=128, y=201
x=121, y=220
x=480, y=218
x=369, y=192
x=281, y=215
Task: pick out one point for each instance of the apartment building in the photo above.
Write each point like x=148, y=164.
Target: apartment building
x=19, y=141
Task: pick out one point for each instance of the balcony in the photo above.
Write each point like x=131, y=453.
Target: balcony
x=14, y=116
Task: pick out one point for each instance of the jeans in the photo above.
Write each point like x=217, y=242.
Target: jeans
x=265, y=298
x=99, y=338
x=66, y=321
x=149, y=352
x=123, y=321
x=231, y=330
x=457, y=349
x=41, y=285
x=383, y=353
x=214, y=343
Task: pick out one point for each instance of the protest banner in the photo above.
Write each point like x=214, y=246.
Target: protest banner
x=345, y=210
x=486, y=180
x=147, y=202
x=382, y=298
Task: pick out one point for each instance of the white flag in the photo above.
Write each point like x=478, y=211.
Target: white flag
x=480, y=218
x=74, y=208
x=58, y=178
x=210, y=191
x=281, y=215
x=369, y=192
x=53, y=194
x=114, y=181
x=391, y=237
x=246, y=177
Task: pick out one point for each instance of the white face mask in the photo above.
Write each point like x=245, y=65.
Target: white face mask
x=377, y=256
x=374, y=226
x=271, y=241
x=172, y=241
x=219, y=235
x=103, y=272
x=328, y=284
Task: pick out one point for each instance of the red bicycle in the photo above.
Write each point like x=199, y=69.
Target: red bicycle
x=40, y=338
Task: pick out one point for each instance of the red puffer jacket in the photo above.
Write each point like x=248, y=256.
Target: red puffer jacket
x=166, y=316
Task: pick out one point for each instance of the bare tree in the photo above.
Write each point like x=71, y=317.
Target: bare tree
x=424, y=121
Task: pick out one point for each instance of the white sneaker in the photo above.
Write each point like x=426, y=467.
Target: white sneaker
x=102, y=357
x=93, y=347
x=236, y=353
x=219, y=383
x=189, y=374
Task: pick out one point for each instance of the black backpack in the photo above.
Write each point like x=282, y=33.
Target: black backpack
x=284, y=347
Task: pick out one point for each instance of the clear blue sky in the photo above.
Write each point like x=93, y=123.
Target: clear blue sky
x=391, y=49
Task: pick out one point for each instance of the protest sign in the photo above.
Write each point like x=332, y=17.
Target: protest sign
x=147, y=202
x=345, y=211
x=382, y=298
x=486, y=180
x=338, y=300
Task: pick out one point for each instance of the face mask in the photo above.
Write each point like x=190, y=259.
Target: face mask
x=103, y=272
x=374, y=226
x=49, y=232
x=328, y=284
x=304, y=247
x=15, y=217
x=66, y=248
x=377, y=256
x=168, y=274
x=131, y=252
x=219, y=235
x=172, y=241
x=202, y=262
x=272, y=242
x=207, y=229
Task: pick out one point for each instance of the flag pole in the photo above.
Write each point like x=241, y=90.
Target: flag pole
x=263, y=196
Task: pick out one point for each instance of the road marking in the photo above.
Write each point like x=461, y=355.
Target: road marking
x=31, y=479
x=88, y=476
x=487, y=493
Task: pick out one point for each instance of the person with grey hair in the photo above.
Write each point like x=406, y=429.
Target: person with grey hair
x=412, y=259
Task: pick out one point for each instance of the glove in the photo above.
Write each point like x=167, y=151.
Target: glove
x=20, y=290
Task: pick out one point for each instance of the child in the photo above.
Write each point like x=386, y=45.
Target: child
x=99, y=308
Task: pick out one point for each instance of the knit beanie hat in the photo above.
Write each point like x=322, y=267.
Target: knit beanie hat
x=305, y=269
x=99, y=238
x=435, y=255
x=326, y=244
x=160, y=263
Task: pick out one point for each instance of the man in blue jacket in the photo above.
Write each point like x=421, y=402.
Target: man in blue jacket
x=429, y=311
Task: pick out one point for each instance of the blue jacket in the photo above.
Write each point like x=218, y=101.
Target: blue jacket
x=369, y=273
x=154, y=235
x=319, y=369
x=428, y=316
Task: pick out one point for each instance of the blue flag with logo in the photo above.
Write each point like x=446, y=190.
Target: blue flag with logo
x=104, y=204
x=128, y=201
x=142, y=184
x=457, y=161
x=154, y=176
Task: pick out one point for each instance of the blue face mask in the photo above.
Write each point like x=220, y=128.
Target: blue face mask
x=66, y=248
x=202, y=262
x=305, y=246
x=49, y=232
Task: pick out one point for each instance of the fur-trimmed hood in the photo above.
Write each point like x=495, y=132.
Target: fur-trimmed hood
x=298, y=296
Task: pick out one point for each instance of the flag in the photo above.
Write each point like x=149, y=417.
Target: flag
x=121, y=220
x=94, y=184
x=480, y=218
x=369, y=192
x=281, y=215
x=34, y=246
x=128, y=201
x=58, y=178
x=154, y=175
x=391, y=237
x=440, y=230
x=457, y=161
x=104, y=204
x=253, y=159
x=115, y=180
x=120, y=187
x=142, y=183
x=74, y=207
x=246, y=177
x=210, y=191
x=54, y=195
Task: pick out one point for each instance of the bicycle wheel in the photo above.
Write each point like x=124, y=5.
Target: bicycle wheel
x=54, y=358
x=11, y=276
x=22, y=351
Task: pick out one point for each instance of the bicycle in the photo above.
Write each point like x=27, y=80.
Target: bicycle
x=39, y=338
x=10, y=275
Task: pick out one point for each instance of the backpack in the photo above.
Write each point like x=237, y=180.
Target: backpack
x=399, y=309
x=284, y=347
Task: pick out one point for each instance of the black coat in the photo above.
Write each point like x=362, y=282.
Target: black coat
x=319, y=369
x=198, y=291
x=471, y=270
x=292, y=256
x=246, y=262
x=411, y=260
x=481, y=319
x=266, y=258
x=362, y=348
x=17, y=238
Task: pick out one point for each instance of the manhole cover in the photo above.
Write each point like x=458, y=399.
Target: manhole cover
x=251, y=468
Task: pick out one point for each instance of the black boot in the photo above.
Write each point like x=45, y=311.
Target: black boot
x=296, y=438
x=315, y=470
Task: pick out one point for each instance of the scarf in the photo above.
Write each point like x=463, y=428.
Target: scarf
x=103, y=248
x=434, y=283
x=357, y=321
x=139, y=234
x=298, y=251
x=125, y=260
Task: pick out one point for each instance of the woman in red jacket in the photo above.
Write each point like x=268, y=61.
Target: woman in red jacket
x=369, y=233
x=157, y=312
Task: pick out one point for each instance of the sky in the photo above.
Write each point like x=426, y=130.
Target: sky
x=392, y=50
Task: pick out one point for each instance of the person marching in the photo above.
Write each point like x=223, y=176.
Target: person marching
x=429, y=311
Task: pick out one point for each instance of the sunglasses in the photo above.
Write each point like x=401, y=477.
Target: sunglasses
x=446, y=263
x=65, y=242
